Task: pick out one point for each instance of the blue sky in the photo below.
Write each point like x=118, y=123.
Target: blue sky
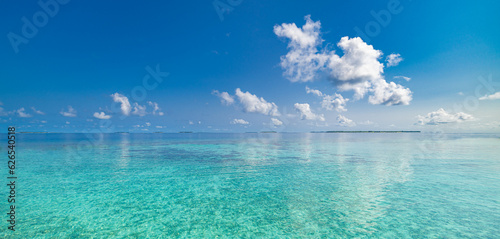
x=94, y=56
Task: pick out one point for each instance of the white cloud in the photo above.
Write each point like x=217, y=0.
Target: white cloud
x=390, y=94
x=306, y=113
x=148, y=124
x=358, y=69
x=43, y=121
x=225, y=98
x=156, y=108
x=276, y=122
x=139, y=110
x=191, y=122
x=344, y=121
x=307, y=36
x=123, y=100
x=303, y=60
x=67, y=122
x=239, y=121
x=402, y=77
x=334, y=102
x=159, y=127
x=495, y=96
x=70, y=113
x=102, y=115
x=37, y=111
x=252, y=103
x=312, y=91
x=442, y=117
x=23, y=114
x=5, y=113
x=393, y=59
x=330, y=102
x=366, y=123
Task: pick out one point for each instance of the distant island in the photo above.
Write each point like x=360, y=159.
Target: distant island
x=401, y=131
x=27, y=132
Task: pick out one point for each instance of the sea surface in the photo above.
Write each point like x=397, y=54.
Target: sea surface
x=255, y=185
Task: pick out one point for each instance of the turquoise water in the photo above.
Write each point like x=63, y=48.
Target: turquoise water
x=256, y=186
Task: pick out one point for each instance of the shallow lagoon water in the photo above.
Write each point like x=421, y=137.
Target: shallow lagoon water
x=288, y=185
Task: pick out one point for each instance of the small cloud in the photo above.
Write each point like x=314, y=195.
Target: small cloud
x=366, y=123
x=67, y=122
x=402, y=77
x=3, y=113
x=495, y=96
x=156, y=108
x=330, y=102
x=252, y=103
x=442, y=117
x=191, y=122
x=225, y=98
x=70, y=113
x=148, y=124
x=239, y=121
x=492, y=124
x=23, y=114
x=43, y=121
x=159, y=127
x=312, y=91
x=102, y=115
x=345, y=122
x=393, y=60
x=37, y=111
x=124, y=103
x=390, y=94
x=460, y=93
x=276, y=122
x=306, y=113
x=139, y=110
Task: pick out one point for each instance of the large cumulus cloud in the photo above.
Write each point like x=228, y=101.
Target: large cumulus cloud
x=358, y=69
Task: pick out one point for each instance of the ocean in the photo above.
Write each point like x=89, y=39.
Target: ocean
x=255, y=185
